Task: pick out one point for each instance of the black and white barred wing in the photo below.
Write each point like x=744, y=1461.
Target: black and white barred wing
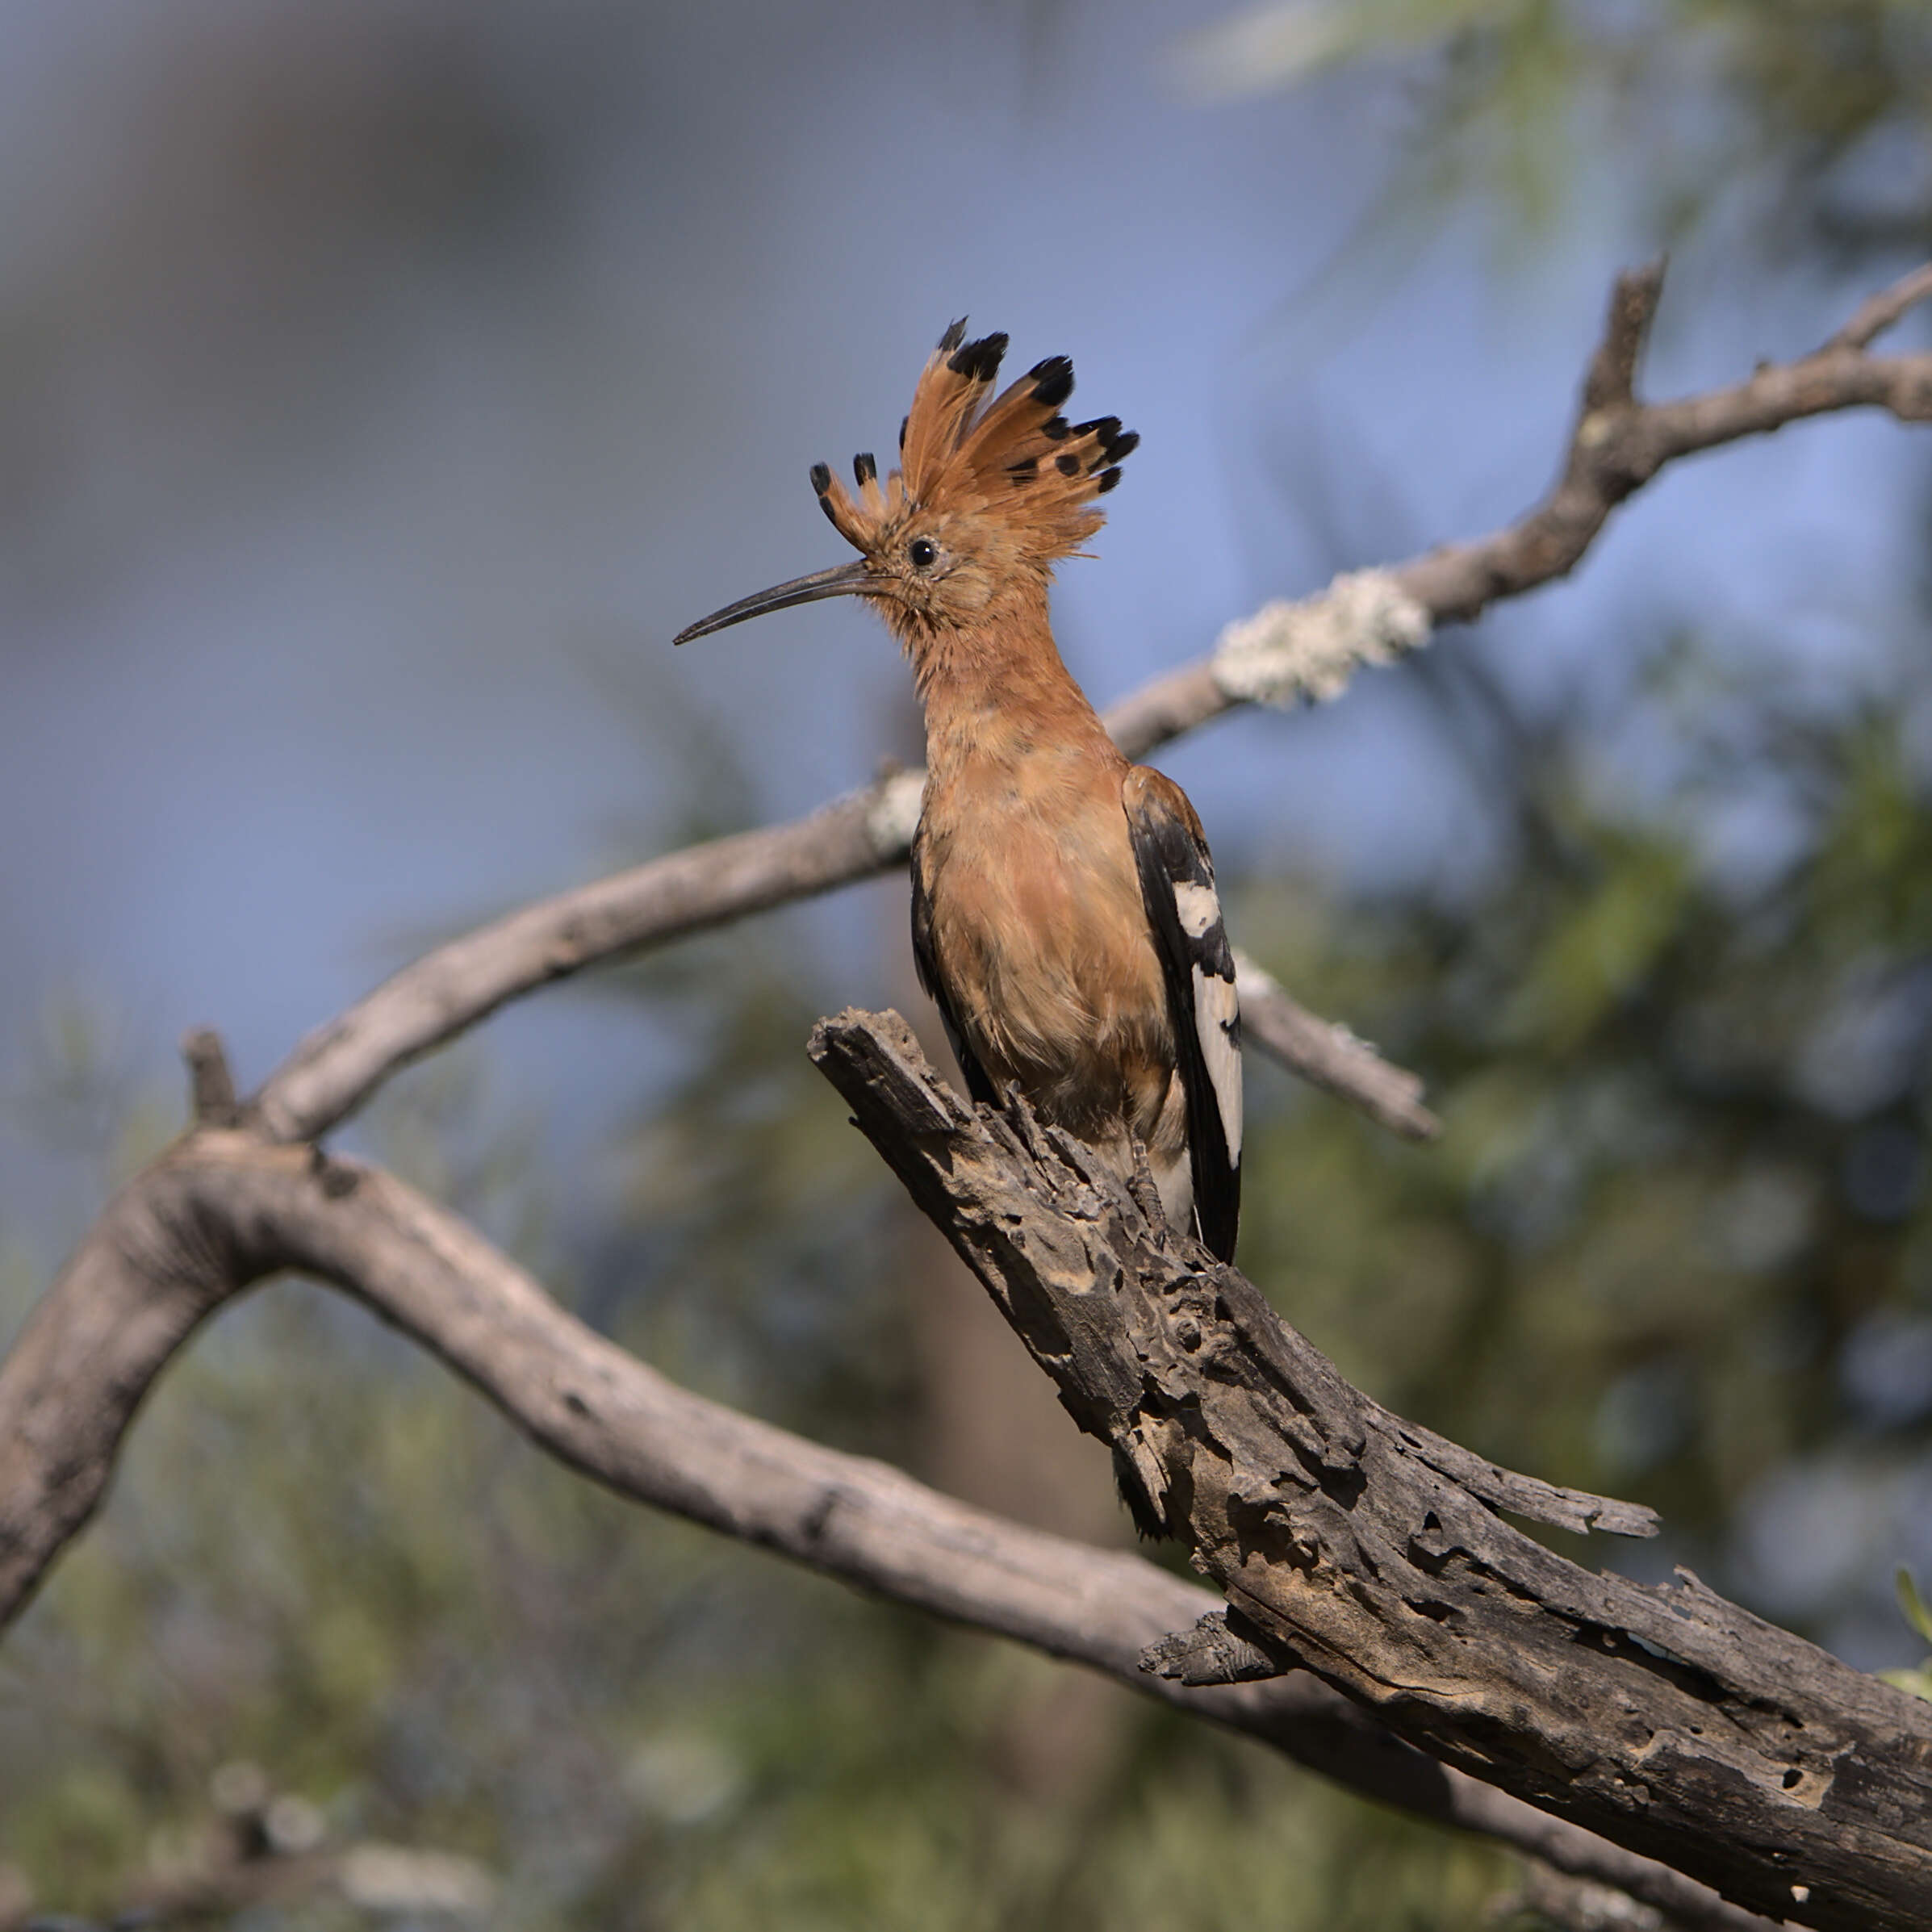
x=1183, y=916
x=934, y=980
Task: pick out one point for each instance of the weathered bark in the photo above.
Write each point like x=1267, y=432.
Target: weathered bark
x=1348, y=1542
x=223, y=1210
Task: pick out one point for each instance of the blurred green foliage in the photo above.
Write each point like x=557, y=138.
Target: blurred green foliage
x=1809, y=122
x=1913, y=1607
x=1679, y=1192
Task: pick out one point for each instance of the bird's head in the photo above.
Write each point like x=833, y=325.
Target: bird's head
x=989, y=495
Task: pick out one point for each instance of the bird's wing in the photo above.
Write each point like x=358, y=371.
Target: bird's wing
x=1183, y=917
x=933, y=978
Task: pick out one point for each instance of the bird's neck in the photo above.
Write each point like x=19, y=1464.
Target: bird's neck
x=996, y=693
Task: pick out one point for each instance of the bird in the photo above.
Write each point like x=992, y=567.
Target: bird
x=1065, y=918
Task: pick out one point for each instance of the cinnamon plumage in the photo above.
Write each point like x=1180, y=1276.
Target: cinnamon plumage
x=1064, y=917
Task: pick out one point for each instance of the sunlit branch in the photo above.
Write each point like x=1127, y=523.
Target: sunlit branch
x=1285, y=654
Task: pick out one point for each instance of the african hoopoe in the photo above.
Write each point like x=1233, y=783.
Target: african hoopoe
x=1063, y=913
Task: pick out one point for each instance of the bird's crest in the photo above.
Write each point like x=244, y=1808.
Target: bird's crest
x=1014, y=461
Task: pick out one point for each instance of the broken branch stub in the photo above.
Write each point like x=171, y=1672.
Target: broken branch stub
x=1373, y=1552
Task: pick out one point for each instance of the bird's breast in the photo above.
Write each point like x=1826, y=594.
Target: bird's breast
x=1038, y=921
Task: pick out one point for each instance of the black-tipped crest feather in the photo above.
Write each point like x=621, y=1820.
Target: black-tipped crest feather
x=981, y=360
x=1011, y=458
x=1052, y=381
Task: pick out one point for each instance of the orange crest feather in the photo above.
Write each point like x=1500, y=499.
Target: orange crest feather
x=1016, y=461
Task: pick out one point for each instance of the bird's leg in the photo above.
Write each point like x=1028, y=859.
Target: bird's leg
x=1025, y=1123
x=1140, y=1185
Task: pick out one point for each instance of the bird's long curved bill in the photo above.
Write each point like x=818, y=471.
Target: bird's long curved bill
x=842, y=580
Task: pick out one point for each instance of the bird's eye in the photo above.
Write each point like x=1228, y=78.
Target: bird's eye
x=923, y=552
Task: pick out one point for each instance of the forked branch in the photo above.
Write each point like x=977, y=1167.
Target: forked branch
x=1348, y=1543
x=1285, y=654
x=222, y=1211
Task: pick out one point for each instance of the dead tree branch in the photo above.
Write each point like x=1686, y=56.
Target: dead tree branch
x=1665, y=1719
x=1329, y=1055
x=224, y=1210
x=1285, y=655
x=243, y=1196
x=1885, y=310
x=1290, y=653
x=334, y=1070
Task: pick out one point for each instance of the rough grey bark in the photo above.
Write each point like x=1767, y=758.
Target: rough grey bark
x=224, y=1209
x=1350, y=1543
